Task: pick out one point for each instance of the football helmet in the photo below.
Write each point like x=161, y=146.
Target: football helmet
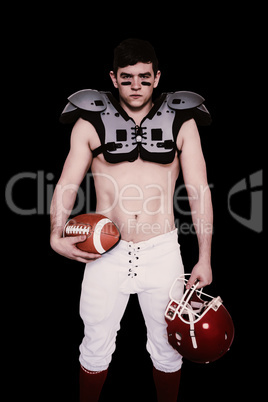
x=200, y=330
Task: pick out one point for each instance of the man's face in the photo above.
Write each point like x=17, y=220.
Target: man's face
x=135, y=84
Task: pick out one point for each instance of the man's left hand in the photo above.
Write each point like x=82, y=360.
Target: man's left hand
x=201, y=272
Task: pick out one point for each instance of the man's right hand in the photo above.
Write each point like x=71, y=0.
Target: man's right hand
x=66, y=246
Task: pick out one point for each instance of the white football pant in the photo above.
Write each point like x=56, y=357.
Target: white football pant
x=147, y=268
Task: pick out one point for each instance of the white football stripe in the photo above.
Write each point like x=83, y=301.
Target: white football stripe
x=97, y=233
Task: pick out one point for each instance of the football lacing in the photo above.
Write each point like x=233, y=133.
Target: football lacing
x=73, y=229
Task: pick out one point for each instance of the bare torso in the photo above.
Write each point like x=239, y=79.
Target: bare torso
x=137, y=196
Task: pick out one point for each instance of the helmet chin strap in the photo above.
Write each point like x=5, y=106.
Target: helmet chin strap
x=192, y=333
x=184, y=302
x=186, y=305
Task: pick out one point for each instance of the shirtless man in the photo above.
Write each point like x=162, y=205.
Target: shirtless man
x=134, y=188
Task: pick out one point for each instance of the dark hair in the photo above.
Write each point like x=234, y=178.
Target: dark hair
x=133, y=51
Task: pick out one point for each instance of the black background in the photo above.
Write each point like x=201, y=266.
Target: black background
x=51, y=55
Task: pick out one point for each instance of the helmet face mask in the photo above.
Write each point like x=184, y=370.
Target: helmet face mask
x=200, y=330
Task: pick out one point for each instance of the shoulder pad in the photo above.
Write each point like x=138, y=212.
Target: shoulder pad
x=184, y=100
x=88, y=99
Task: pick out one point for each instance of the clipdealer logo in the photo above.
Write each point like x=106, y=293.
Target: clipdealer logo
x=249, y=189
x=250, y=186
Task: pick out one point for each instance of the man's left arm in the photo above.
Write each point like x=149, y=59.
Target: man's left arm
x=195, y=179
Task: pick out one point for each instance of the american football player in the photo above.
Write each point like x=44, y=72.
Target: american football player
x=135, y=148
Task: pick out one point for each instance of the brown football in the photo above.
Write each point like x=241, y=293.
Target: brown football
x=102, y=234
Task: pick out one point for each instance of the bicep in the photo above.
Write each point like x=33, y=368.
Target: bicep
x=192, y=159
x=79, y=158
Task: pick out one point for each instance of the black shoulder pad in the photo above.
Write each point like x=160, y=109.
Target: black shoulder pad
x=88, y=99
x=184, y=100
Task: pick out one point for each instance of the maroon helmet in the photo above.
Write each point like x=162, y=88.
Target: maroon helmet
x=201, y=331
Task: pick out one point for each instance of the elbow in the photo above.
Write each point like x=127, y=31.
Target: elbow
x=200, y=198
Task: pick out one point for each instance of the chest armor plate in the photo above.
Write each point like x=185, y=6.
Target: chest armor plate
x=153, y=140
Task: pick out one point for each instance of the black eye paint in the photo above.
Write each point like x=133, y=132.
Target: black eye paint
x=145, y=83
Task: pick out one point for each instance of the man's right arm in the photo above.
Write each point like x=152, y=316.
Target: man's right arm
x=75, y=168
